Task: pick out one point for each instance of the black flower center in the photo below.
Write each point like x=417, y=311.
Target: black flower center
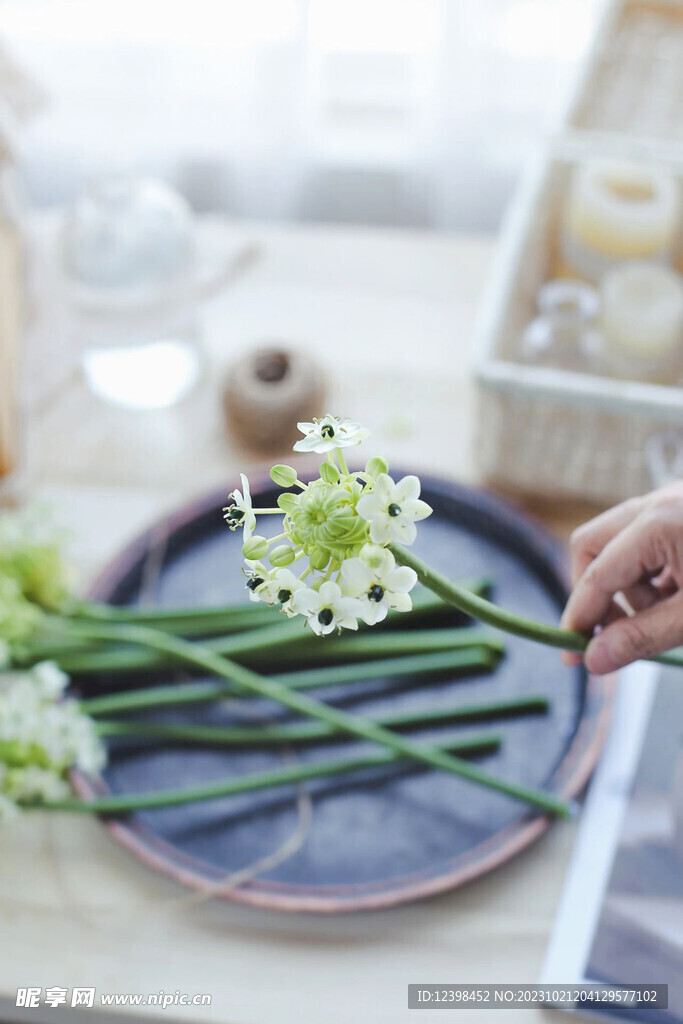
x=235, y=515
x=325, y=616
x=327, y=430
x=375, y=593
x=255, y=582
x=284, y=595
x=394, y=509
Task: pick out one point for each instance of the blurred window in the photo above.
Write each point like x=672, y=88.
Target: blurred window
x=417, y=112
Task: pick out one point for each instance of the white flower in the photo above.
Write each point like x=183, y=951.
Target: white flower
x=240, y=511
x=328, y=433
x=288, y=585
x=261, y=582
x=379, y=586
x=41, y=738
x=392, y=509
x=34, y=784
x=327, y=609
x=82, y=746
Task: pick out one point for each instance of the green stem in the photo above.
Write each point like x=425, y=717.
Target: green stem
x=484, y=743
x=188, y=622
x=468, y=660
x=485, y=611
x=312, y=732
x=206, y=659
x=214, y=618
x=286, y=645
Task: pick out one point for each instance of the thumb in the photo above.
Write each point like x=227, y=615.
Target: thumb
x=642, y=635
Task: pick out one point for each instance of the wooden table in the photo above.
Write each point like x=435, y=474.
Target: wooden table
x=390, y=314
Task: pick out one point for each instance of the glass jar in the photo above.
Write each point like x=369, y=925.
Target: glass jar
x=128, y=255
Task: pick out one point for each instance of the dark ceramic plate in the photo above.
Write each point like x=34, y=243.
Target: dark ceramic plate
x=384, y=836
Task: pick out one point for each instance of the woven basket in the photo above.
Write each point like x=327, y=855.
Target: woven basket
x=550, y=431
x=631, y=87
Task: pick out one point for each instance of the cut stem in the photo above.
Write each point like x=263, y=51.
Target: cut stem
x=468, y=660
x=313, y=732
x=485, y=743
x=285, y=645
x=208, y=660
x=423, y=601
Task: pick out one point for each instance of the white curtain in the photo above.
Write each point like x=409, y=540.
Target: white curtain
x=413, y=112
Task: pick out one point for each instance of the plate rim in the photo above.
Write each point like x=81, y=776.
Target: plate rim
x=572, y=772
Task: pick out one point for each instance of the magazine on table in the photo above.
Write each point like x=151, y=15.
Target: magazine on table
x=620, y=919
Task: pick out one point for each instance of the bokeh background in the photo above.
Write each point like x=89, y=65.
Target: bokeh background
x=410, y=112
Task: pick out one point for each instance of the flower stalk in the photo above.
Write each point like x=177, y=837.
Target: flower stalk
x=471, y=746
x=315, y=732
x=454, y=662
x=199, y=655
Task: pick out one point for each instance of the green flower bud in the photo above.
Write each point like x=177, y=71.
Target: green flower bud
x=282, y=556
x=255, y=547
x=376, y=465
x=283, y=476
x=373, y=555
x=329, y=473
x=318, y=559
x=288, y=502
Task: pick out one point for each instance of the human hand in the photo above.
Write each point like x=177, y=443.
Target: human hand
x=634, y=550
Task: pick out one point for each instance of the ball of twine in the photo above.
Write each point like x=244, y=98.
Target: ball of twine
x=267, y=391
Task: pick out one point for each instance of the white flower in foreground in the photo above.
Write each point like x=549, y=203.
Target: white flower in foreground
x=41, y=738
x=50, y=680
x=380, y=586
x=392, y=509
x=240, y=512
x=327, y=609
x=33, y=783
x=328, y=433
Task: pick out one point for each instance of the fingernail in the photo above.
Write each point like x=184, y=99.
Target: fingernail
x=598, y=658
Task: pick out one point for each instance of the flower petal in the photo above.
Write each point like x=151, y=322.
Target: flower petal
x=407, y=489
x=374, y=612
x=357, y=574
x=417, y=510
x=370, y=506
x=384, y=488
x=400, y=580
x=307, y=601
x=307, y=444
x=381, y=530
x=404, y=529
x=330, y=594
x=400, y=602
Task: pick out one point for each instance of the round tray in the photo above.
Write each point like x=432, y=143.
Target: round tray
x=383, y=836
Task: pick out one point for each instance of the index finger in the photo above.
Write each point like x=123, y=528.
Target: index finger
x=588, y=540
x=624, y=561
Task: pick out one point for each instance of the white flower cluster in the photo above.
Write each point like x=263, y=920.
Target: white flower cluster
x=42, y=736
x=339, y=528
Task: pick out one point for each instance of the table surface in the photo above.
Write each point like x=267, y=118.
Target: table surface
x=390, y=314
